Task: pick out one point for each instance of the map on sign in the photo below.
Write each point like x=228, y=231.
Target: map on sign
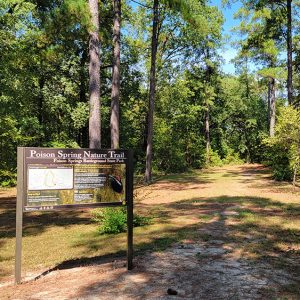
x=50, y=179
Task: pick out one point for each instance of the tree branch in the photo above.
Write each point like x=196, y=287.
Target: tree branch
x=141, y=4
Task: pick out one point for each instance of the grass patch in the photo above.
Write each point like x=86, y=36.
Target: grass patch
x=207, y=217
x=244, y=213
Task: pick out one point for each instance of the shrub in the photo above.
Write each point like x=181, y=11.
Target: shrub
x=140, y=220
x=277, y=157
x=214, y=159
x=8, y=178
x=113, y=220
x=283, y=153
x=232, y=158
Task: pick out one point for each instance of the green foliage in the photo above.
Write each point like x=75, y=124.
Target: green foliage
x=284, y=148
x=44, y=83
x=8, y=178
x=139, y=220
x=214, y=159
x=232, y=158
x=113, y=220
x=277, y=158
x=242, y=118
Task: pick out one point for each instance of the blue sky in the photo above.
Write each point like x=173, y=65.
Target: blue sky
x=228, y=52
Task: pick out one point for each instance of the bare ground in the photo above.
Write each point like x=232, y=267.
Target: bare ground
x=219, y=258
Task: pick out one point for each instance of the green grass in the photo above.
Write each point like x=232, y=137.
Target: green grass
x=206, y=218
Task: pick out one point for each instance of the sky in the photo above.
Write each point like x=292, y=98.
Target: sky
x=228, y=52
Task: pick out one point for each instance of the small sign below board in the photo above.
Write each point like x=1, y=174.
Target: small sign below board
x=63, y=178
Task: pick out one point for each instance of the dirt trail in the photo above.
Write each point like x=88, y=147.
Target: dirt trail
x=211, y=264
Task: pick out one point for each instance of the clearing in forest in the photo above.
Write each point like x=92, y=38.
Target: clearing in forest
x=222, y=233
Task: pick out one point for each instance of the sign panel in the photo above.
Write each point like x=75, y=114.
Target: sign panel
x=51, y=178
x=63, y=178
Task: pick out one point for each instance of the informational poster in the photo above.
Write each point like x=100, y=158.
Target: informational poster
x=66, y=177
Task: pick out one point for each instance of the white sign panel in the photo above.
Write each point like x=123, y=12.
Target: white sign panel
x=50, y=179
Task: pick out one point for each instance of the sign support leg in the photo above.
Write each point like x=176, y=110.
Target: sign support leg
x=19, y=215
x=129, y=200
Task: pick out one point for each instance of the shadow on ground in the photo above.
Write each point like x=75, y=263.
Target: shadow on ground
x=36, y=222
x=243, y=224
x=249, y=231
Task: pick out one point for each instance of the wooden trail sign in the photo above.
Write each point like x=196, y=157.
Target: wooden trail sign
x=56, y=179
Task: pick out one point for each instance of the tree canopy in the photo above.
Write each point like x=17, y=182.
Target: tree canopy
x=162, y=82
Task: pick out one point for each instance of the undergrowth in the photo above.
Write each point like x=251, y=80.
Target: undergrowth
x=113, y=220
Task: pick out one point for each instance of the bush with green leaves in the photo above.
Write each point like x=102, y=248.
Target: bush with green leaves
x=113, y=220
x=232, y=158
x=277, y=158
x=214, y=159
x=283, y=150
x=7, y=178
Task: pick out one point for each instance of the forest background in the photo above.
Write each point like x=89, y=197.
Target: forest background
x=163, y=91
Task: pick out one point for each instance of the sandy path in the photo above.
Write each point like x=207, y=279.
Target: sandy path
x=195, y=268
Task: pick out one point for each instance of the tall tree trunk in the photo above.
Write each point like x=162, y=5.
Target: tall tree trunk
x=296, y=167
x=208, y=95
x=154, y=45
x=207, y=134
x=94, y=77
x=269, y=102
x=83, y=135
x=115, y=92
x=272, y=106
x=289, y=52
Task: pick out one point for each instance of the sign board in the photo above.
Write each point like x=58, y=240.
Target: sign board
x=51, y=178
x=65, y=178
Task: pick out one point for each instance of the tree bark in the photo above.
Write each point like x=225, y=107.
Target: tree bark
x=83, y=135
x=297, y=163
x=209, y=72
x=289, y=52
x=207, y=134
x=272, y=106
x=154, y=45
x=296, y=167
x=94, y=79
x=269, y=103
x=115, y=92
